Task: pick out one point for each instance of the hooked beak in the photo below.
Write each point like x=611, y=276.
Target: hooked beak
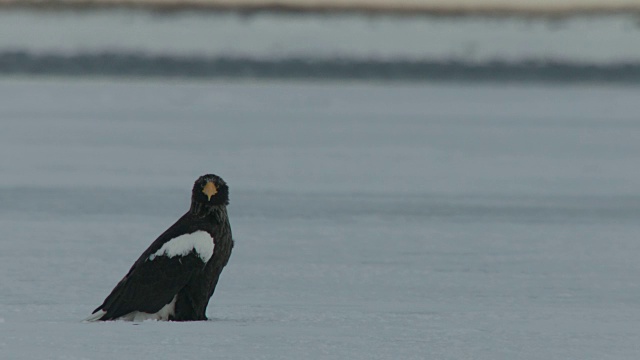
x=210, y=190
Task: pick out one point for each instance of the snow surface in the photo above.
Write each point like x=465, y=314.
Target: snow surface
x=371, y=221
x=200, y=241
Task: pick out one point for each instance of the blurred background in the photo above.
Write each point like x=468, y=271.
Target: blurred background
x=410, y=40
x=409, y=179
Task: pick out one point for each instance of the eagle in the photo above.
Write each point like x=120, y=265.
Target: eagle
x=176, y=276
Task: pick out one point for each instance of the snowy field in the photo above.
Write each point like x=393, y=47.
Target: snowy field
x=372, y=221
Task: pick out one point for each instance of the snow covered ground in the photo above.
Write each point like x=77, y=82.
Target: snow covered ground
x=371, y=221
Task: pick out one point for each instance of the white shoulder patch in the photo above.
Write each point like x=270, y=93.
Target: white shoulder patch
x=200, y=241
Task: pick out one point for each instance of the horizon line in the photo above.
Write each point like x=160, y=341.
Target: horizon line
x=334, y=7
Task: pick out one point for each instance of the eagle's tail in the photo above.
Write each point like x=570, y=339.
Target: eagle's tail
x=96, y=316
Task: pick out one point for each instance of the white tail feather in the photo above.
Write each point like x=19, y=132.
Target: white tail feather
x=95, y=316
x=138, y=316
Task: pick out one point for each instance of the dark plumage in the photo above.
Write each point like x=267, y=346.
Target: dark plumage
x=176, y=276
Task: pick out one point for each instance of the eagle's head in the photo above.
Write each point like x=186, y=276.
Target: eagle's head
x=210, y=191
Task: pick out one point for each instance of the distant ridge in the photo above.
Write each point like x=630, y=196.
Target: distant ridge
x=146, y=66
x=397, y=7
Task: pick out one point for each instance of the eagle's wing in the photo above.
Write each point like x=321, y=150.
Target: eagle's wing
x=158, y=275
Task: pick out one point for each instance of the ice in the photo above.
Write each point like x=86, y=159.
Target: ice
x=372, y=221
